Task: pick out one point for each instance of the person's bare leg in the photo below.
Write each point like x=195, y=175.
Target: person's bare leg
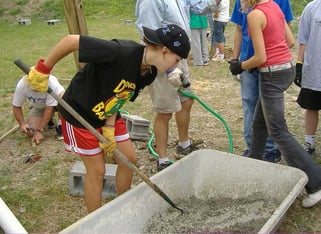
x=311, y=121
x=215, y=51
x=220, y=47
x=161, y=129
x=311, y=118
x=124, y=174
x=183, y=119
x=95, y=171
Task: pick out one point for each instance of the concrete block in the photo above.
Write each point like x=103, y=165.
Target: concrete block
x=137, y=127
x=25, y=21
x=53, y=22
x=77, y=175
x=128, y=22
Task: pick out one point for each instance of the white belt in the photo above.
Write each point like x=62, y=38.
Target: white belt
x=277, y=67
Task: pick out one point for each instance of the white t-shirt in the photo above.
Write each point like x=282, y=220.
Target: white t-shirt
x=224, y=11
x=36, y=99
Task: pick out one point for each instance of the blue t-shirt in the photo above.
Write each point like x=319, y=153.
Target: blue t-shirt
x=240, y=18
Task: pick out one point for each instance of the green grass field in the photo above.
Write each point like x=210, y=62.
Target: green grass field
x=34, y=41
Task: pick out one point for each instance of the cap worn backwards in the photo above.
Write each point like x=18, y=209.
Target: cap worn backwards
x=172, y=36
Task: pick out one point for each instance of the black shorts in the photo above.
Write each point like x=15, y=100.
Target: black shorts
x=309, y=99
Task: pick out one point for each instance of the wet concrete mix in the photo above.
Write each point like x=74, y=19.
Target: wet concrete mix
x=247, y=214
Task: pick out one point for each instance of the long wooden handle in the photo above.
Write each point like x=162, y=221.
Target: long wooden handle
x=12, y=130
x=101, y=138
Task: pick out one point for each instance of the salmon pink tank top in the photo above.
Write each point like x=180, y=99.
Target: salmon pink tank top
x=277, y=50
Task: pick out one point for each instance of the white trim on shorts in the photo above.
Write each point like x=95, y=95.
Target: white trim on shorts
x=122, y=138
x=73, y=144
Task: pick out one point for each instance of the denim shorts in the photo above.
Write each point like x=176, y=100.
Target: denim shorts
x=219, y=29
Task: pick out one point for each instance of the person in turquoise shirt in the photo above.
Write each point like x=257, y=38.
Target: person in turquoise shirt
x=198, y=26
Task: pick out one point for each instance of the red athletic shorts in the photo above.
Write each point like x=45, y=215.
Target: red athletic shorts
x=82, y=142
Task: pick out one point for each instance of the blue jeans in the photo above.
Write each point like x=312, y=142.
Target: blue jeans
x=250, y=95
x=269, y=120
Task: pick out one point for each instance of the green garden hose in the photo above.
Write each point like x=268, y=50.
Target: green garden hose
x=227, y=128
x=193, y=96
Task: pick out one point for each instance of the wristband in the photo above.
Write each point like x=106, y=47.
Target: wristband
x=41, y=67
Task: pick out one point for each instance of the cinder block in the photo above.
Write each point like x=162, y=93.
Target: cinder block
x=77, y=180
x=128, y=22
x=137, y=127
x=53, y=22
x=24, y=21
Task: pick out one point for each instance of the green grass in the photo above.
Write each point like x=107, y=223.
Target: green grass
x=37, y=39
x=27, y=42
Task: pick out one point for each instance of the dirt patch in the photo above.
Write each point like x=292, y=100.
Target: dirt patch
x=26, y=10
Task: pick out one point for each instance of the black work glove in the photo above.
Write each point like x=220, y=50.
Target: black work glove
x=298, y=74
x=235, y=66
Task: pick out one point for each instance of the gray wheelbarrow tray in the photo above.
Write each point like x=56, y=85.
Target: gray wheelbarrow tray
x=203, y=174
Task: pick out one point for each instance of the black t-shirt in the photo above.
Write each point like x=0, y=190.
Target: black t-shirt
x=111, y=76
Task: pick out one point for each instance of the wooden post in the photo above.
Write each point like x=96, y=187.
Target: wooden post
x=76, y=21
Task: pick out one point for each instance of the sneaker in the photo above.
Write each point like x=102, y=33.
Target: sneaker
x=51, y=124
x=60, y=138
x=59, y=133
x=308, y=147
x=311, y=199
x=218, y=58
x=162, y=166
x=272, y=156
x=187, y=150
x=206, y=63
x=215, y=54
x=245, y=153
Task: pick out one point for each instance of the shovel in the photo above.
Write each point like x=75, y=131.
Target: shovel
x=101, y=138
